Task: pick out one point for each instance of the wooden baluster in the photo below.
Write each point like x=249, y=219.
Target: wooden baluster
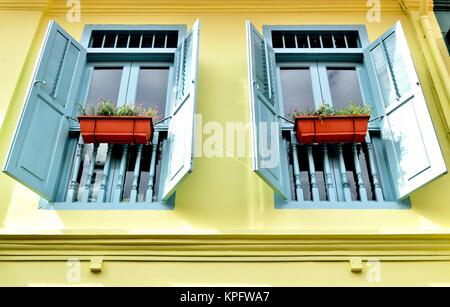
x=297, y=179
x=73, y=186
x=373, y=171
x=137, y=172
x=331, y=190
x=343, y=170
x=105, y=177
x=360, y=181
x=87, y=193
x=151, y=179
x=312, y=173
x=118, y=191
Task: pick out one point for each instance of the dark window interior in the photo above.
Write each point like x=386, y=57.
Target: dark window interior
x=134, y=39
x=315, y=39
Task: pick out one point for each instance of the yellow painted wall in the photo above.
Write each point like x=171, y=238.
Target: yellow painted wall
x=223, y=195
x=211, y=274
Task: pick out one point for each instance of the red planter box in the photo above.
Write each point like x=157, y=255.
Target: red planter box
x=116, y=129
x=331, y=129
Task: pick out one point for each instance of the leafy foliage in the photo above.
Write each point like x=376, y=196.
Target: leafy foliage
x=327, y=110
x=107, y=107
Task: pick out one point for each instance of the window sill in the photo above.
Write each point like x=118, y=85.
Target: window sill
x=354, y=205
x=64, y=206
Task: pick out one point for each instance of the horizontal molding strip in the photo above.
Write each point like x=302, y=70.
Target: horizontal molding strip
x=123, y=7
x=142, y=7
x=218, y=247
x=36, y=5
x=225, y=259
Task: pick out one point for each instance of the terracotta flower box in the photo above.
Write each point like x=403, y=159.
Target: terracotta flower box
x=116, y=129
x=331, y=129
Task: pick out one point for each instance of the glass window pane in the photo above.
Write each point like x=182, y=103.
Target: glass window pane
x=339, y=41
x=344, y=87
x=152, y=88
x=110, y=40
x=314, y=41
x=289, y=41
x=105, y=83
x=297, y=90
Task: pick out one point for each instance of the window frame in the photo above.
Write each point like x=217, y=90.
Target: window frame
x=110, y=57
x=132, y=68
x=317, y=85
x=334, y=57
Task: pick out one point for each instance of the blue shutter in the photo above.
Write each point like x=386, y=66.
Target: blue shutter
x=264, y=104
x=36, y=154
x=180, y=141
x=412, y=147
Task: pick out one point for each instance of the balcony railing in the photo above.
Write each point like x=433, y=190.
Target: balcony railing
x=106, y=173
x=334, y=173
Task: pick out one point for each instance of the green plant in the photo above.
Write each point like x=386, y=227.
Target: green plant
x=327, y=110
x=152, y=111
x=127, y=110
x=324, y=110
x=105, y=108
x=108, y=108
x=355, y=109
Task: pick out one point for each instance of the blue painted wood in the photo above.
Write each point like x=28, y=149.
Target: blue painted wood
x=43, y=127
x=343, y=173
x=87, y=193
x=351, y=205
x=361, y=29
x=152, y=171
x=312, y=174
x=373, y=170
x=181, y=127
x=112, y=206
x=411, y=144
x=118, y=190
x=136, y=174
x=297, y=179
x=105, y=176
x=331, y=190
x=359, y=176
x=86, y=36
x=73, y=185
x=265, y=125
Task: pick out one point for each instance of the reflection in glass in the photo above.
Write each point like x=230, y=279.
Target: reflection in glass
x=297, y=90
x=344, y=87
x=152, y=88
x=105, y=83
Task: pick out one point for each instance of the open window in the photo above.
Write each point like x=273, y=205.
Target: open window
x=408, y=135
x=401, y=152
x=158, y=65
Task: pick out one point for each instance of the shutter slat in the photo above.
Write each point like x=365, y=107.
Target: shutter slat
x=411, y=144
x=43, y=129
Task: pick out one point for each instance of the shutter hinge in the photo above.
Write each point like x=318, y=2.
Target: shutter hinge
x=40, y=81
x=72, y=118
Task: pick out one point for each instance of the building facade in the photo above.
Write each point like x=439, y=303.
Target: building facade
x=224, y=194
